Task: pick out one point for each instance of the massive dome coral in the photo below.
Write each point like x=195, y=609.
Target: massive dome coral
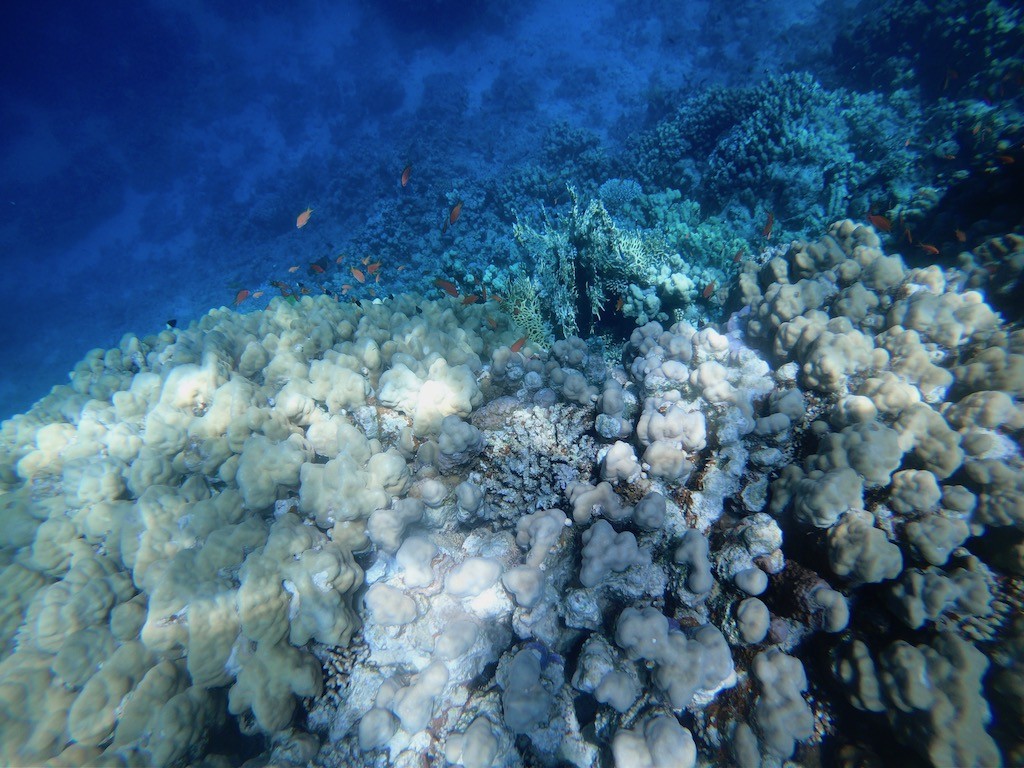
x=372, y=531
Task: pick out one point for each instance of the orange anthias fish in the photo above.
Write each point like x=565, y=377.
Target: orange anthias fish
x=447, y=287
x=456, y=212
x=492, y=323
x=294, y=269
x=880, y=223
x=453, y=216
x=928, y=248
x=241, y=296
x=767, y=231
x=371, y=268
x=708, y=290
x=257, y=294
x=358, y=275
x=518, y=345
x=960, y=235
x=406, y=173
x=303, y=218
x=471, y=299
x=316, y=268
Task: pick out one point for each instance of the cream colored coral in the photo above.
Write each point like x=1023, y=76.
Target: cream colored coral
x=950, y=319
x=927, y=436
x=166, y=454
x=33, y=710
x=269, y=677
x=45, y=459
x=445, y=390
x=213, y=627
x=860, y=552
x=913, y=361
x=337, y=382
x=17, y=587
x=267, y=468
x=94, y=714
x=85, y=597
x=339, y=490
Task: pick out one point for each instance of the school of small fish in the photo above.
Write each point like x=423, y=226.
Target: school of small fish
x=368, y=267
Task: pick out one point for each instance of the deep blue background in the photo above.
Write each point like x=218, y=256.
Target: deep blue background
x=155, y=154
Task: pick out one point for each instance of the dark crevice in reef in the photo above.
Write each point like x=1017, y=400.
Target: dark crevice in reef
x=229, y=741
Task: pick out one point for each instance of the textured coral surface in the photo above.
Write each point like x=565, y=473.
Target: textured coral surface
x=378, y=524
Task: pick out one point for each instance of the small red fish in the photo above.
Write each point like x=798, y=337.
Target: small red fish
x=365, y=260
x=303, y=218
x=241, y=296
x=406, y=173
x=767, y=231
x=345, y=288
x=709, y=289
x=377, y=278
x=256, y=294
x=447, y=287
x=960, y=235
x=738, y=257
x=1005, y=159
x=339, y=259
x=371, y=268
x=931, y=250
x=400, y=267
x=296, y=268
x=518, y=345
x=906, y=234
x=316, y=268
x=358, y=275
x=456, y=212
x=492, y=323
x=881, y=223
x=471, y=299
x=619, y=303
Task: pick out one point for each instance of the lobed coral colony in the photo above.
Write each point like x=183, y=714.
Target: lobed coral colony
x=720, y=551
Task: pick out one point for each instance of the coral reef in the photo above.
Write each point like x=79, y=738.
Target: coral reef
x=435, y=547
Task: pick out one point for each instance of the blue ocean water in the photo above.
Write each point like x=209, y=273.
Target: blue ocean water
x=155, y=157
x=159, y=160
